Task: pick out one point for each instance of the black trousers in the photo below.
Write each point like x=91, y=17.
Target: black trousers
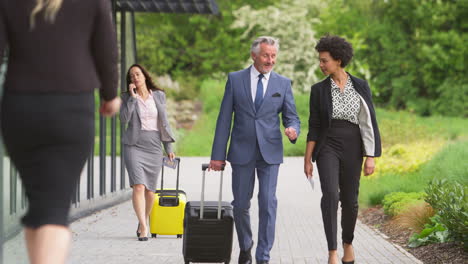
x=48, y=138
x=339, y=164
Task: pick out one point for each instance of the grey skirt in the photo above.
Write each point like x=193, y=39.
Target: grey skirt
x=144, y=159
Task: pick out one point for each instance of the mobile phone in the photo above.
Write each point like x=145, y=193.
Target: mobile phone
x=134, y=90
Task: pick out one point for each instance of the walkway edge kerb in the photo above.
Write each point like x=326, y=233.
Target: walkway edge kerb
x=89, y=207
x=402, y=250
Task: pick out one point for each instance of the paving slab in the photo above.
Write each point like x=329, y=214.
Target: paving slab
x=108, y=236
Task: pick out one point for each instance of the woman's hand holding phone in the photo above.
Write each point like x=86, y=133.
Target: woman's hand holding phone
x=132, y=89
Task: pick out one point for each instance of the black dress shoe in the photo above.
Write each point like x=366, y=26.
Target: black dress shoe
x=245, y=257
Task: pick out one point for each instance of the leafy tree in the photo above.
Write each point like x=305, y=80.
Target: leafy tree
x=184, y=45
x=415, y=50
x=350, y=19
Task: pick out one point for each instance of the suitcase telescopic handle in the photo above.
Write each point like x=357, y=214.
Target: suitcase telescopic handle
x=177, y=159
x=202, y=200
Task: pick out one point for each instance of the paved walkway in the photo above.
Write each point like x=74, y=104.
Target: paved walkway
x=108, y=236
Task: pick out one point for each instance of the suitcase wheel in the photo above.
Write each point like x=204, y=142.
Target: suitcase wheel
x=153, y=235
x=179, y=236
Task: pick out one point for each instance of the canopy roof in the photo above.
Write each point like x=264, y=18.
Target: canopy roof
x=169, y=6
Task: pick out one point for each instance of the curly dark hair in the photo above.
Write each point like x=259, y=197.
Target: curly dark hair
x=149, y=81
x=338, y=47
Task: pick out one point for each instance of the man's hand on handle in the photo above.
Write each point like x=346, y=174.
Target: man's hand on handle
x=217, y=165
x=290, y=132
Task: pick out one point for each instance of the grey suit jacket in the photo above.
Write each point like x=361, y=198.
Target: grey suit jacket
x=130, y=116
x=251, y=127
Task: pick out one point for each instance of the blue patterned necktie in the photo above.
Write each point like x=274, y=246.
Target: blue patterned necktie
x=259, y=94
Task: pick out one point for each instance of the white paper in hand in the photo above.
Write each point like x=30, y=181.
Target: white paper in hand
x=311, y=181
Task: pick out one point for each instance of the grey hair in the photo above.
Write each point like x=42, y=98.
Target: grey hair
x=255, y=48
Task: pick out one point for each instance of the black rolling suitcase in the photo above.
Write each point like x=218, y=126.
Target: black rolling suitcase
x=208, y=227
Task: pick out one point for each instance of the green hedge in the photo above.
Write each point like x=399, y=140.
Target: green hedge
x=397, y=202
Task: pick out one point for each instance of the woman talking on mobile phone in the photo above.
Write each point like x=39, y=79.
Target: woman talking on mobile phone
x=143, y=113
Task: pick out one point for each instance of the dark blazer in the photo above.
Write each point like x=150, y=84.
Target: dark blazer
x=77, y=53
x=321, y=109
x=130, y=116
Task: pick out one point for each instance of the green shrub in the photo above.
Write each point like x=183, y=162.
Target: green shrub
x=435, y=232
x=397, y=202
x=394, y=178
x=450, y=202
x=455, y=92
x=376, y=198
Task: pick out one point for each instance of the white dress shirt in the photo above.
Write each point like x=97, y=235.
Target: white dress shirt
x=254, y=80
x=148, y=112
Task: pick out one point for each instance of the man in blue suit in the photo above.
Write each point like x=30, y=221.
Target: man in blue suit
x=255, y=96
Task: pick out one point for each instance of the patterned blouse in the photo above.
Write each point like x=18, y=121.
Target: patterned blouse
x=346, y=104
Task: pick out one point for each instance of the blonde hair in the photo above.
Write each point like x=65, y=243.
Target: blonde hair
x=50, y=8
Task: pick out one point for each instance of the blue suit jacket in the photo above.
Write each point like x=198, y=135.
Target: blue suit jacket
x=250, y=126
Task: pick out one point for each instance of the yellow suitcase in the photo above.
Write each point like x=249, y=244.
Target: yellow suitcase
x=167, y=215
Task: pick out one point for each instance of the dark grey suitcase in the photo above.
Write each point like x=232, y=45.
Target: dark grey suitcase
x=208, y=228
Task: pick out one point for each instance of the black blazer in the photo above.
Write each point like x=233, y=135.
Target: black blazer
x=321, y=109
x=42, y=60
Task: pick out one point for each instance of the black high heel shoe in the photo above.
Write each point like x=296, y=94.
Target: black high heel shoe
x=138, y=233
x=145, y=238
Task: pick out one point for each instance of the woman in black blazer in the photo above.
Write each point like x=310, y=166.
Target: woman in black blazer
x=342, y=130
x=47, y=108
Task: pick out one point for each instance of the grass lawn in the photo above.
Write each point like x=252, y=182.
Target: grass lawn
x=415, y=149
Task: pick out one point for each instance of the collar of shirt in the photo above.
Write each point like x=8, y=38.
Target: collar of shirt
x=347, y=85
x=254, y=74
x=149, y=96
